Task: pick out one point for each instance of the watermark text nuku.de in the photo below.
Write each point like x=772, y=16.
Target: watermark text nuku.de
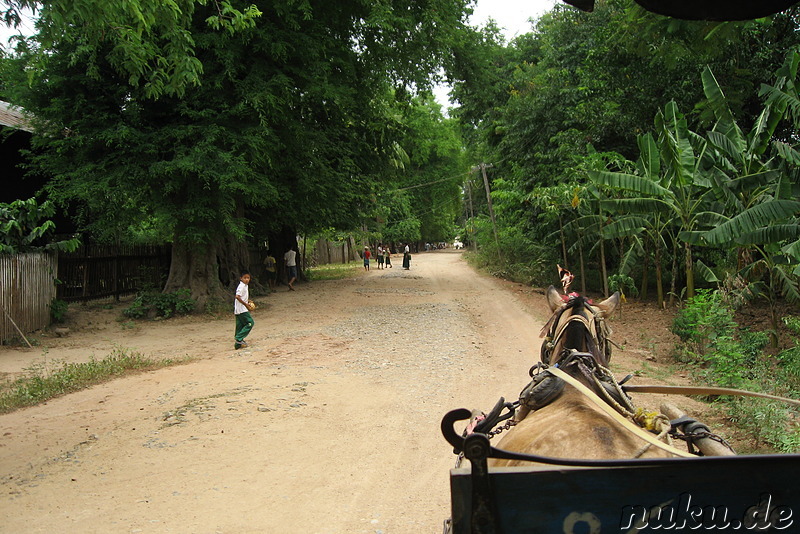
x=686, y=514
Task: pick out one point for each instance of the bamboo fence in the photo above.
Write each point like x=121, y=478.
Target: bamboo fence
x=27, y=288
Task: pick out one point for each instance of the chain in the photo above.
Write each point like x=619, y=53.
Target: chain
x=500, y=429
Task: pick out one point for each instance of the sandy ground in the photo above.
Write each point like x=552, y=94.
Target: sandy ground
x=328, y=423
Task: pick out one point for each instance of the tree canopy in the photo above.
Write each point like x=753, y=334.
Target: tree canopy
x=292, y=126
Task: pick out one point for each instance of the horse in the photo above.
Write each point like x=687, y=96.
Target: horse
x=555, y=418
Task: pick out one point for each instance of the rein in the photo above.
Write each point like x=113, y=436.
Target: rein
x=705, y=390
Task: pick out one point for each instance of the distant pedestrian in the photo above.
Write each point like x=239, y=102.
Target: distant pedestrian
x=379, y=256
x=290, y=258
x=271, y=268
x=242, y=307
x=407, y=258
x=367, y=255
x=387, y=257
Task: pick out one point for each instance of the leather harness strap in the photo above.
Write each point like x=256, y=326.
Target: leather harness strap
x=704, y=390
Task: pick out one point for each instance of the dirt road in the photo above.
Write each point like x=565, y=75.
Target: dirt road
x=328, y=423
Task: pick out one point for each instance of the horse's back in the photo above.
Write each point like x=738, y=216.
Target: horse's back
x=572, y=427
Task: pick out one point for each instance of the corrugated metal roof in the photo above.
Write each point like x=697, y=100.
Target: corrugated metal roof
x=13, y=117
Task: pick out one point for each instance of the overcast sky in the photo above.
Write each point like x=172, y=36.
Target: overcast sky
x=511, y=15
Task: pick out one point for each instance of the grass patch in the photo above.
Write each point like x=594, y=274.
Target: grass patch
x=40, y=384
x=334, y=271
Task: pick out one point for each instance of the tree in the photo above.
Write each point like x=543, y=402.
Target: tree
x=432, y=175
x=289, y=131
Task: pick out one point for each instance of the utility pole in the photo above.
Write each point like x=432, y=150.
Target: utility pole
x=471, y=228
x=483, y=167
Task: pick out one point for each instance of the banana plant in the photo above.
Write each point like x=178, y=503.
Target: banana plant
x=669, y=189
x=759, y=216
x=638, y=219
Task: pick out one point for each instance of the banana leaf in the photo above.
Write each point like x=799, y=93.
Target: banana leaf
x=624, y=227
x=649, y=156
x=770, y=234
x=636, y=205
x=787, y=284
x=629, y=182
x=751, y=220
x=705, y=271
x=727, y=146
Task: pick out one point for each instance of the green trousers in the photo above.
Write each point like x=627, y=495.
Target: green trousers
x=244, y=323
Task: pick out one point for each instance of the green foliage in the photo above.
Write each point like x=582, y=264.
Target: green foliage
x=298, y=121
x=156, y=304
x=25, y=226
x=422, y=199
x=793, y=323
x=521, y=259
x=58, y=310
x=622, y=283
x=148, y=44
x=731, y=357
x=704, y=319
x=40, y=384
x=543, y=105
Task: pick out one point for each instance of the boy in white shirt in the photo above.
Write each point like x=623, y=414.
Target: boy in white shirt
x=241, y=309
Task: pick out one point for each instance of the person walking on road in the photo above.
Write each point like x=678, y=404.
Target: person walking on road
x=290, y=258
x=379, y=256
x=241, y=309
x=367, y=256
x=270, y=266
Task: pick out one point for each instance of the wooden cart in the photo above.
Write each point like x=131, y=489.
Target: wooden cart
x=706, y=494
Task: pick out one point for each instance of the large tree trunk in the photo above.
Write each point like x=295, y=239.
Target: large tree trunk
x=196, y=269
x=234, y=259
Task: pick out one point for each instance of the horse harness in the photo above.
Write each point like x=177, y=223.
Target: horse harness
x=589, y=367
x=595, y=328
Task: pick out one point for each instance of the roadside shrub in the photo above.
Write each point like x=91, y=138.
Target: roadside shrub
x=154, y=304
x=58, y=310
x=733, y=357
x=703, y=320
x=515, y=257
x=624, y=284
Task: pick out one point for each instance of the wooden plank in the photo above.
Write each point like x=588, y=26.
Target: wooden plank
x=722, y=494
